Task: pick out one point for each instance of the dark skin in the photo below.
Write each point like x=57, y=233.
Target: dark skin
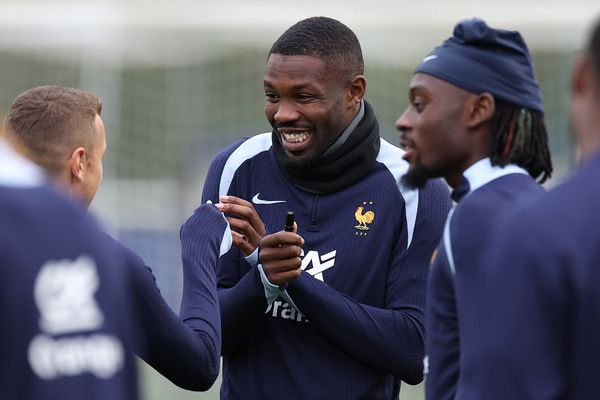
x=310, y=105
x=445, y=129
x=306, y=97
x=280, y=256
x=247, y=228
x=584, y=106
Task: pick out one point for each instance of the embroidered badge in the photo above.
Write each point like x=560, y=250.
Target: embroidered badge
x=364, y=218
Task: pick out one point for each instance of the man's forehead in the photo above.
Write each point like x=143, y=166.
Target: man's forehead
x=297, y=73
x=295, y=66
x=426, y=82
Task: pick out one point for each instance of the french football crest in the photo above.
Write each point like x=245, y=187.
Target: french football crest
x=363, y=217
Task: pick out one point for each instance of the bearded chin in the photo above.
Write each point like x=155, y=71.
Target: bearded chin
x=296, y=167
x=417, y=177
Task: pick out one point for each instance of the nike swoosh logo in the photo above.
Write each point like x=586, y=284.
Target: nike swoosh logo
x=256, y=200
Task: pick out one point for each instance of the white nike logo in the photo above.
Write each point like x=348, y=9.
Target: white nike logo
x=429, y=58
x=256, y=200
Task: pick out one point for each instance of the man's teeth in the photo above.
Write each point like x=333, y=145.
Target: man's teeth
x=295, y=137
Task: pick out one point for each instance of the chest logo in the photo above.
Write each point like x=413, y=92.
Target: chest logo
x=256, y=200
x=317, y=262
x=364, y=218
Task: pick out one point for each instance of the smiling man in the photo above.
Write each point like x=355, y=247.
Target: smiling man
x=336, y=310
x=475, y=118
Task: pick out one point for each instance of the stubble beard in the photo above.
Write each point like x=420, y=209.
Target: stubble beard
x=417, y=177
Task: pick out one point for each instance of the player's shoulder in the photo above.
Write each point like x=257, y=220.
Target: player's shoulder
x=245, y=148
x=569, y=205
x=125, y=253
x=43, y=205
x=497, y=197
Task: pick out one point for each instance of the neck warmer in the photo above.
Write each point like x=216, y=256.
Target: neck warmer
x=341, y=168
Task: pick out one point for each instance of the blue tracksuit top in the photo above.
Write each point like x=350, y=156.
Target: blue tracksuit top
x=184, y=349
x=67, y=327
x=485, y=195
x=540, y=300
x=362, y=292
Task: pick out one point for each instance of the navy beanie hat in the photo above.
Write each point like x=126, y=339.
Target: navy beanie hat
x=482, y=59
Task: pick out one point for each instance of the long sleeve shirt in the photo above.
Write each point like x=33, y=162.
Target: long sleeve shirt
x=185, y=349
x=67, y=316
x=540, y=300
x=486, y=194
x=357, y=330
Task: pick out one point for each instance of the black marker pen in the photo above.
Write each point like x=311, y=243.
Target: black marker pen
x=289, y=222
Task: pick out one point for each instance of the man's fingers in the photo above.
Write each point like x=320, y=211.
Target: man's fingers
x=238, y=238
x=241, y=242
x=283, y=278
x=242, y=226
x=245, y=212
x=271, y=254
x=235, y=200
x=281, y=238
x=278, y=266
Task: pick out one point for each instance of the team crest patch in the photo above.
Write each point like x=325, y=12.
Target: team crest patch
x=364, y=218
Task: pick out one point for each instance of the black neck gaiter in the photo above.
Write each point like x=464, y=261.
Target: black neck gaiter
x=340, y=169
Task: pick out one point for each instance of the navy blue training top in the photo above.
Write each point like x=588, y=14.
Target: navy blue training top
x=484, y=196
x=357, y=328
x=540, y=300
x=65, y=305
x=186, y=349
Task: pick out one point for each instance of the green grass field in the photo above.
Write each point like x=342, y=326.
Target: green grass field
x=155, y=387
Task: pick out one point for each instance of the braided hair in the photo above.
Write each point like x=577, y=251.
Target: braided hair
x=519, y=136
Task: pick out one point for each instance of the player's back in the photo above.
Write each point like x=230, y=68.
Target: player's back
x=543, y=287
x=66, y=314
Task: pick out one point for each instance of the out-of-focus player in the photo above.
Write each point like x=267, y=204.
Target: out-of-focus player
x=65, y=304
x=540, y=296
x=62, y=131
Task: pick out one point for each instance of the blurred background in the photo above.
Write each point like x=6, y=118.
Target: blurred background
x=181, y=79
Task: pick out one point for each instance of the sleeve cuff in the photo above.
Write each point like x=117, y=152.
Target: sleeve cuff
x=272, y=292
x=252, y=259
x=227, y=241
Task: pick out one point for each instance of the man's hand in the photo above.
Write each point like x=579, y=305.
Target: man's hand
x=246, y=226
x=280, y=257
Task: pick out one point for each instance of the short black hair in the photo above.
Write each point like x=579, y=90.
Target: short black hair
x=323, y=38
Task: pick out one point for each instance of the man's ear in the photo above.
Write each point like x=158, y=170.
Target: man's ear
x=77, y=164
x=358, y=87
x=481, y=109
x=581, y=77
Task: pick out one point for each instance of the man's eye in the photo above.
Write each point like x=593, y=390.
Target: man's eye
x=271, y=97
x=418, y=105
x=305, y=97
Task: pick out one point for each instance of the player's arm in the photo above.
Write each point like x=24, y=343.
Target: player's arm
x=187, y=353
x=523, y=317
x=242, y=299
x=441, y=341
x=390, y=338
